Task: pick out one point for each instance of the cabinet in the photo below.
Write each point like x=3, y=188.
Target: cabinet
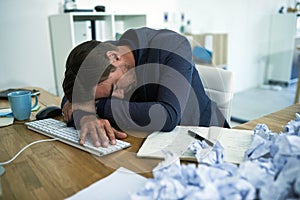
x=70, y=29
x=283, y=53
x=296, y=60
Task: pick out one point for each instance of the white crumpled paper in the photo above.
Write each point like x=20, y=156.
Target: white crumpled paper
x=271, y=171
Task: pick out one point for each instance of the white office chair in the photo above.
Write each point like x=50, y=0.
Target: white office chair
x=218, y=85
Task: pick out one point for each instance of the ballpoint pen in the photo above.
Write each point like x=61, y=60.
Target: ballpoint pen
x=210, y=143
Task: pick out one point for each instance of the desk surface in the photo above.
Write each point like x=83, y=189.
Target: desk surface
x=53, y=170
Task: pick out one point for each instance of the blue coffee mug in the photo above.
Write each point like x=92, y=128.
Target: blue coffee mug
x=20, y=103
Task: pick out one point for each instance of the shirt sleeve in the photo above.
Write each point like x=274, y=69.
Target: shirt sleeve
x=161, y=110
x=163, y=103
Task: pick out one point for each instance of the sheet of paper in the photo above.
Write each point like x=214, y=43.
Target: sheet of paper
x=176, y=142
x=5, y=121
x=119, y=185
x=235, y=143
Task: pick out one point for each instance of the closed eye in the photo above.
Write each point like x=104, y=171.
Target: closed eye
x=111, y=90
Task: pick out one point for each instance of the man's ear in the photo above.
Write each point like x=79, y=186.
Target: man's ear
x=112, y=56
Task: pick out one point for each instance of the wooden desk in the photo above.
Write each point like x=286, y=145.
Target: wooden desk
x=53, y=170
x=275, y=121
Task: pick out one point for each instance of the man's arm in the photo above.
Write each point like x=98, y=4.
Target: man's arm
x=163, y=107
x=100, y=130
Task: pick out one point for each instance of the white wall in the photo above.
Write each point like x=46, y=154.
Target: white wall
x=25, y=49
x=247, y=25
x=154, y=8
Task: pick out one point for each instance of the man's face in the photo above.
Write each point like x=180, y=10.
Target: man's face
x=117, y=84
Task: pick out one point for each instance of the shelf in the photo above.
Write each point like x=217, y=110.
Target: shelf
x=70, y=29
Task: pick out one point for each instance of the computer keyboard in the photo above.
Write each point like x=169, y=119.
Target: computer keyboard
x=57, y=129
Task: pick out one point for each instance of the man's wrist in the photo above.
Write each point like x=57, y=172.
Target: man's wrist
x=88, y=106
x=78, y=115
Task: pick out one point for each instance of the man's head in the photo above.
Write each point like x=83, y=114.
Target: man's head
x=86, y=66
x=97, y=69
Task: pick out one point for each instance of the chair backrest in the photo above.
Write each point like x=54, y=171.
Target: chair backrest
x=218, y=85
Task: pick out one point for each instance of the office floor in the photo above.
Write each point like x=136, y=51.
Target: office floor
x=257, y=102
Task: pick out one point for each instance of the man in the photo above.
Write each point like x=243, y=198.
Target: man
x=146, y=81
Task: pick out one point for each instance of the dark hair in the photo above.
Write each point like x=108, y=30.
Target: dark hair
x=86, y=65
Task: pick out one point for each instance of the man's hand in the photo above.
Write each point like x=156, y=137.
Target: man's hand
x=67, y=111
x=100, y=131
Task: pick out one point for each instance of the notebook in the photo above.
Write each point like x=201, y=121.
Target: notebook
x=234, y=141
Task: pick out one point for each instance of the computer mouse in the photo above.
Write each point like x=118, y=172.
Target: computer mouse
x=100, y=8
x=49, y=112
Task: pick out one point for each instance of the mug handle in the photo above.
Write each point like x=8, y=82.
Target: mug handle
x=36, y=101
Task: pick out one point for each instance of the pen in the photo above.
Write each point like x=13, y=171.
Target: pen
x=210, y=143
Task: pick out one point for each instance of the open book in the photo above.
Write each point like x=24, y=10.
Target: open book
x=234, y=141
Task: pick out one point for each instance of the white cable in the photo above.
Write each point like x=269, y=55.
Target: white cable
x=35, y=142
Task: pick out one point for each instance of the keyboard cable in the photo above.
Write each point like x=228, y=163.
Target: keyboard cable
x=24, y=148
